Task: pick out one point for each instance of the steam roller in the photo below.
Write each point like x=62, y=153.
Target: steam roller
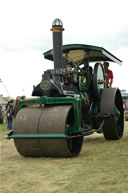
x=70, y=102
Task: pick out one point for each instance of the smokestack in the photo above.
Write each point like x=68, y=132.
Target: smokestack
x=57, y=29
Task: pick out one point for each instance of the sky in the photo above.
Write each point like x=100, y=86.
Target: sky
x=25, y=35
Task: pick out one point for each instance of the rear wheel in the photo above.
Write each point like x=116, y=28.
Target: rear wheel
x=112, y=105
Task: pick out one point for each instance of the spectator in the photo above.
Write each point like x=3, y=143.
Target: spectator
x=23, y=97
x=16, y=106
x=1, y=115
x=9, y=114
x=108, y=74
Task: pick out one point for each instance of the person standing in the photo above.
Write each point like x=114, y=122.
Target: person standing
x=18, y=98
x=23, y=97
x=108, y=74
x=85, y=68
x=9, y=114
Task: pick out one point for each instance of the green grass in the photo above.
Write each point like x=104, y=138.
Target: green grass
x=101, y=167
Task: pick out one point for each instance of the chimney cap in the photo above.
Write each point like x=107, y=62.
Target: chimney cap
x=57, y=23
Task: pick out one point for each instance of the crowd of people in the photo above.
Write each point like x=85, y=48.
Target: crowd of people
x=11, y=111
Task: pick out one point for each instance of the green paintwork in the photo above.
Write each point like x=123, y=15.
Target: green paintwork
x=76, y=102
x=37, y=136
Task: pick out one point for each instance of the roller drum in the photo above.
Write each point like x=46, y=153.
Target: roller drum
x=48, y=120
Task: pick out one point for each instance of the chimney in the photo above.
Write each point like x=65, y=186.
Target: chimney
x=57, y=29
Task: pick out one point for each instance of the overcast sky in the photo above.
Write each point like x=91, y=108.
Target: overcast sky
x=25, y=34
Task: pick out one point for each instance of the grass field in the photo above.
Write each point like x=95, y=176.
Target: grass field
x=101, y=167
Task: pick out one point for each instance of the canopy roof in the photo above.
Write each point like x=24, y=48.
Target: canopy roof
x=79, y=52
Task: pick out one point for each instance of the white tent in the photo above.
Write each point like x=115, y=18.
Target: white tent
x=4, y=100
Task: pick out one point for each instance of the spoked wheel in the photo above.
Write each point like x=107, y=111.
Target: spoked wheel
x=51, y=121
x=112, y=105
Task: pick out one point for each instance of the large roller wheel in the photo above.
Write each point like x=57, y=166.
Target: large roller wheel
x=47, y=120
x=112, y=105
